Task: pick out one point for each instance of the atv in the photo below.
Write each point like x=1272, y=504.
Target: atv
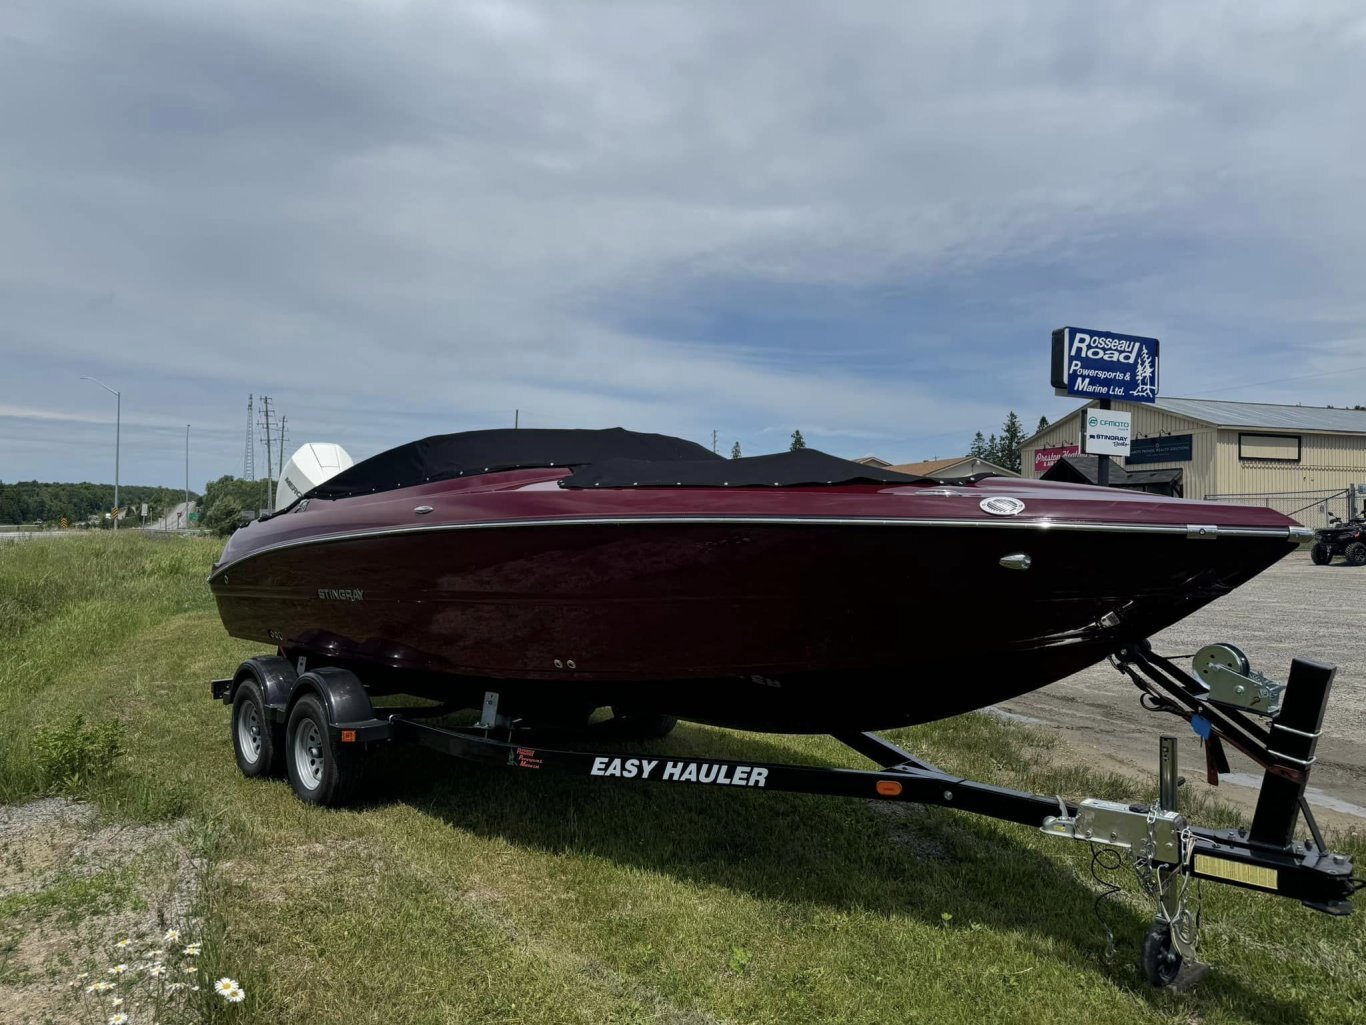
x=1345, y=539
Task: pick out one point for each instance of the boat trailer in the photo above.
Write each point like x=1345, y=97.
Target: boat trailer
x=315, y=726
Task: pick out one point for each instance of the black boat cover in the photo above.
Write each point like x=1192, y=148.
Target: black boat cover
x=444, y=456
x=806, y=466
x=611, y=458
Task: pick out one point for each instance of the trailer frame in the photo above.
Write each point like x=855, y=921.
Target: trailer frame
x=317, y=726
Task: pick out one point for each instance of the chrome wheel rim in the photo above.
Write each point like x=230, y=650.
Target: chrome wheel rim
x=249, y=731
x=308, y=754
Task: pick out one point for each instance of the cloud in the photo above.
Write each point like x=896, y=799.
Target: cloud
x=405, y=219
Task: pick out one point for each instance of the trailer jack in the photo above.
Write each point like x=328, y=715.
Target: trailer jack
x=1160, y=843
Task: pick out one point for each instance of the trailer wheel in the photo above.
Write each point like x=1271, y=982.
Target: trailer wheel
x=320, y=771
x=1161, y=960
x=1356, y=553
x=1321, y=554
x=255, y=739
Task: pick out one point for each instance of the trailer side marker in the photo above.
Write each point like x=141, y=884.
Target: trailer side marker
x=1237, y=872
x=888, y=787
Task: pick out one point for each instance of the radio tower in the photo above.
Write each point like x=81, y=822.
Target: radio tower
x=249, y=457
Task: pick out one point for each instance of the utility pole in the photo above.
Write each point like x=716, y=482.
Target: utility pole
x=516, y=419
x=118, y=421
x=713, y=440
x=187, y=475
x=266, y=415
x=283, y=430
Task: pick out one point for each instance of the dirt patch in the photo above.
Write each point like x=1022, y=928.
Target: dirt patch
x=915, y=830
x=71, y=889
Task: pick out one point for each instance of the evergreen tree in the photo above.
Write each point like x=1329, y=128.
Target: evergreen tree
x=735, y=451
x=992, y=451
x=1008, y=448
x=979, y=446
x=798, y=442
x=1043, y=425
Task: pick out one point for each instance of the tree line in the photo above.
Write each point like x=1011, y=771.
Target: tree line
x=230, y=502
x=42, y=502
x=1004, y=450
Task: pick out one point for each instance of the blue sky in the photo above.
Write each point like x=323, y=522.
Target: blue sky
x=859, y=220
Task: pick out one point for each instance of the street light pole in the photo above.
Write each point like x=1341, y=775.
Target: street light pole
x=118, y=424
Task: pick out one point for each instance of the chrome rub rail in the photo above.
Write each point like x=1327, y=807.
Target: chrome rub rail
x=1295, y=533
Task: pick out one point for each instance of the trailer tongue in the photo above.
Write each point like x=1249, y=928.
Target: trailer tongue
x=319, y=724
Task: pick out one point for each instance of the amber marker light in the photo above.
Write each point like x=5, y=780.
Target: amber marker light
x=888, y=787
x=348, y=736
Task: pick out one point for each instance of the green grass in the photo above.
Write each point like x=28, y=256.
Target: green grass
x=460, y=894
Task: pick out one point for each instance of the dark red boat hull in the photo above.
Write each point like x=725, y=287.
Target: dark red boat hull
x=787, y=610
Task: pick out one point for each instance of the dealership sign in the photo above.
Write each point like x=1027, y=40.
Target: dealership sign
x=1167, y=448
x=1104, y=365
x=1046, y=458
x=1106, y=433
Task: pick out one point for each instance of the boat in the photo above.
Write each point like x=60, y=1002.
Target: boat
x=571, y=570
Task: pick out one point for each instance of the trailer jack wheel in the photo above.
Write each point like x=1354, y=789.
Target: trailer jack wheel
x=1161, y=959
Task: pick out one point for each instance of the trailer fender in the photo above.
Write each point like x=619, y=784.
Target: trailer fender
x=275, y=676
x=341, y=693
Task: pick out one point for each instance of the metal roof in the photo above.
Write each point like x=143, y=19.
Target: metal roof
x=1267, y=415
x=1120, y=476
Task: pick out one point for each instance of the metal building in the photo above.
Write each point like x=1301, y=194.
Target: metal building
x=1306, y=461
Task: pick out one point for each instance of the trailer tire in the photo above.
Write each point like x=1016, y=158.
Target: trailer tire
x=1356, y=553
x=256, y=741
x=1321, y=554
x=320, y=771
x=1161, y=960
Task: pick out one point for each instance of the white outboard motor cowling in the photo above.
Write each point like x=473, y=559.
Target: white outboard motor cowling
x=307, y=468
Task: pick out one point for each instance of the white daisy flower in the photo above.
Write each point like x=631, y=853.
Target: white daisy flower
x=156, y=970
x=118, y=969
x=235, y=996
x=193, y=949
x=189, y=969
x=118, y=1019
x=123, y=943
x=225, y=985
x=172, y=936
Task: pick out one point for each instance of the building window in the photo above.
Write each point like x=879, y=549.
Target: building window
x=1278, y=448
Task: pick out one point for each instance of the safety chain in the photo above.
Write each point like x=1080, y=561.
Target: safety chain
x=1185, y=920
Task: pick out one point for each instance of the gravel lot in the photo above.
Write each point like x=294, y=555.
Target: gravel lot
x=1294, y=608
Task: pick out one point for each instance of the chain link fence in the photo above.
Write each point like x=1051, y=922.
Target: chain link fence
x=1312, y=508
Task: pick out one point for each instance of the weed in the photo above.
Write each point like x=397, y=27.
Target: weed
x=73, y=755
x=739, y=960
